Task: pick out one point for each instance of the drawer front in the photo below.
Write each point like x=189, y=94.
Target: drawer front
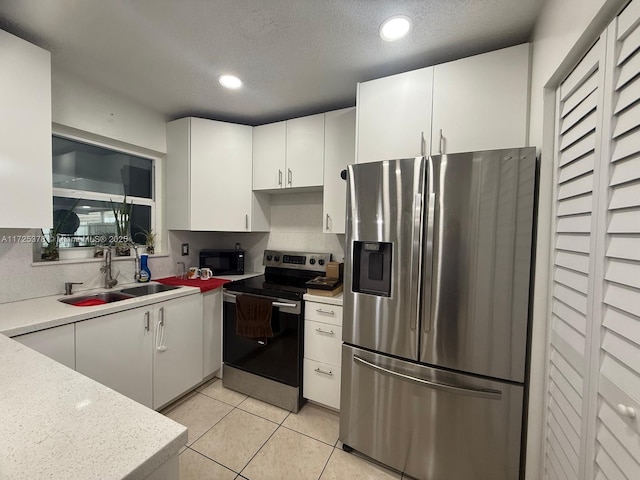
x=323, y=342
x=321, y=383
x=322, y=312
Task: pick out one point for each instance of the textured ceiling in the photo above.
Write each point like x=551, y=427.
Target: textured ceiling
x=295, y=57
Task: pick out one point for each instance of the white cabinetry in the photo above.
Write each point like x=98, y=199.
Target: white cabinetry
x=339, y=151
x=151, y=354
x=322, y=353
x=177, y=357
x=289, y=154
x=481, y=102
x=212, y=332
x=25, y=136
x=116, y=350
x=57, y=343
x=209, y=171
x=394, y=116
x=269, y=153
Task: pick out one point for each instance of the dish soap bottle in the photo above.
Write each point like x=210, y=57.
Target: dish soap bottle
x=145, y=273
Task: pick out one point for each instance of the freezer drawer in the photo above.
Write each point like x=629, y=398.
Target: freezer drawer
x=428, y=423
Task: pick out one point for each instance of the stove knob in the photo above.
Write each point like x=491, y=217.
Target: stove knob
x=276, y=258
x=269, y=257
x=312, y=261
x=321, y=262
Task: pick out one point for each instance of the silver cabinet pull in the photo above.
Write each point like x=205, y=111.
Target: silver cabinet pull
x=146, y=321
x=326, y=312
x=327, y=222
x=329, y=373
x=422, y=143
x=440, y=143
x=279, y=177
x=328, y=332
x=289, y=177
x=246, y=221
x=282, y=304
x=473, y=392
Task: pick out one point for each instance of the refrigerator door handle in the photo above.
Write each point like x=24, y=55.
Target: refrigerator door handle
x=415, y=258
x=428, y=265
x=473, y=392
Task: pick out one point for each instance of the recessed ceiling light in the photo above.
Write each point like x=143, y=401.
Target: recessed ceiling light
x=230, y=81
x=86, y=206
x=395, y=27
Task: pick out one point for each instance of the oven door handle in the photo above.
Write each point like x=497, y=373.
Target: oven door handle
x=275, y=304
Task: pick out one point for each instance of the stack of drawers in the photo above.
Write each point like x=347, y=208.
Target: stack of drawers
x=322, y=353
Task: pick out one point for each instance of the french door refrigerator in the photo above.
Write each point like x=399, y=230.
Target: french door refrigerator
x=436, y=308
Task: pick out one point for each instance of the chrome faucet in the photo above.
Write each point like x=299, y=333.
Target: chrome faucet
x=109, y=281
x=136, y=272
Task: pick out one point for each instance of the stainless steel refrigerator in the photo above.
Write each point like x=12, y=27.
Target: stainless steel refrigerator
x=436, y=305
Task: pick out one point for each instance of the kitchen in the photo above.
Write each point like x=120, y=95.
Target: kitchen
x=564, y=32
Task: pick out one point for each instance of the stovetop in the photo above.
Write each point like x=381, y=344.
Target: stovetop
x=279, y=280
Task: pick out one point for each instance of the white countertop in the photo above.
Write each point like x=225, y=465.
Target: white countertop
x=26, y=316
x=56, y=423
x=337, y=300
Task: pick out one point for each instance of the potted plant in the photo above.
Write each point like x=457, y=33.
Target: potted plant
x=122, y=214
x=64, y=222
x=149, y=239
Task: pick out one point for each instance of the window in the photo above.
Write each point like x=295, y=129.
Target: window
x=90, y=187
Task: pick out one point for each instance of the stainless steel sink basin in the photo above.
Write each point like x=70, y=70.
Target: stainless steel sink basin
x=148, y=289
x=96, y=299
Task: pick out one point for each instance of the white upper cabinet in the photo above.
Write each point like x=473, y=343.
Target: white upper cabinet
x=289, y=154
x=339, y=151
x=394, y=116
x=209, y=172
x=269, y=153
x=481, y=102
x=305, y=151
x=25, y=136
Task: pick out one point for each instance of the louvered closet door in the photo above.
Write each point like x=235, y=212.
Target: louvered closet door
x=578, y=152
x=617, y=449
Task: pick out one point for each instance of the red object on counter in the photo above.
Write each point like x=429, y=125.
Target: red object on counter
x=203, y=285
x=91, y=302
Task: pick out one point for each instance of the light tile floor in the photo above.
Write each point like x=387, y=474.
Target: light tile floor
x=235, y=437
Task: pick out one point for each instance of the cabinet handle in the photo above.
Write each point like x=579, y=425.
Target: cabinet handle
x=146, y=321
x=327, y=222
x=160, y=346
x=330, y=373
x=623, y=410
x=279, y=177
x=422, y=143
x=440, y=143
x=327, y=312
x=328, y=332
x=246, y=221
x=290, y=176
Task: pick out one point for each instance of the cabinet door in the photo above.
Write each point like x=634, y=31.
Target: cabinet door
x=305, y=151
x=212, y=331
x=269, y=145
x=115, y=350
x=57, y=343
x=177, y=354
x=339, y=151
x=221, y=164
x=394, y=116
x=481, y=102
x=25, y=136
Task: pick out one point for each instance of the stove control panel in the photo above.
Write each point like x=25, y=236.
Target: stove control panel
x=299, y=260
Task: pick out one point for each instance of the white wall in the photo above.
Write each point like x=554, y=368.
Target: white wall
x=563, y=33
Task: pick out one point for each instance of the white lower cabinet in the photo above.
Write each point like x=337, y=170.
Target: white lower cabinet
x=57, y=343
x=212, y=332
x=322, y=353
x=151, y=354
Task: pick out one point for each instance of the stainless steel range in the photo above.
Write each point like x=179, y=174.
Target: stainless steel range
x=270, y=368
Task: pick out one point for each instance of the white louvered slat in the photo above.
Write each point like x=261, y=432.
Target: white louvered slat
x=574, y=224
x=618, y=453
x=575, y=205
x=622, y=324
x=574, y=242
x=585, y=125
x=619, y=428
x=624, y=246
x=609, y=469
x=629, y=46
x=626, y=146
x=573, y=376
x=578, y=149
x=626, y=221
x=628, y=70
x=581, y=93
x=621, y=376
x=575, y=187
x=628, y=20
x=622, y=298
x=583, y=71
x=624, y=272
x=625, y=196
x=625, y=170
x=559, y=426
x=570, y=414
x=626, y=121
x=628, y=96
x=570, y=393
x=572, y=279
x=576, y=168
x=578, y=114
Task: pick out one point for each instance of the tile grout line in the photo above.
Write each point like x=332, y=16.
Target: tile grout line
x=210, y=459
x=327, y=462
x=309, y=436
x=261, y=447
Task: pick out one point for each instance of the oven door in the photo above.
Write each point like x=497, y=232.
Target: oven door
x=278, y=358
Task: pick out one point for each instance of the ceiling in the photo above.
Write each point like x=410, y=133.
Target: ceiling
x=295, y=57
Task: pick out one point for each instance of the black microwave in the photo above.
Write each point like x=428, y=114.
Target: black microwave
x=223, y=262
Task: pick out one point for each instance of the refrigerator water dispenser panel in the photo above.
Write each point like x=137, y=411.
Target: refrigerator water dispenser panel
x=372, y=268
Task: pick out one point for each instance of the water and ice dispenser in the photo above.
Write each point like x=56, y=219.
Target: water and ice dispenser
x=372, y=268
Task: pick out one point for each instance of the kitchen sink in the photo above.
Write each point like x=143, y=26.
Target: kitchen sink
x=148, y=289
x=96, y=299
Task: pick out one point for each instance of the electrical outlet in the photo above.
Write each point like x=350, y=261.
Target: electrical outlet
x=185, y=249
